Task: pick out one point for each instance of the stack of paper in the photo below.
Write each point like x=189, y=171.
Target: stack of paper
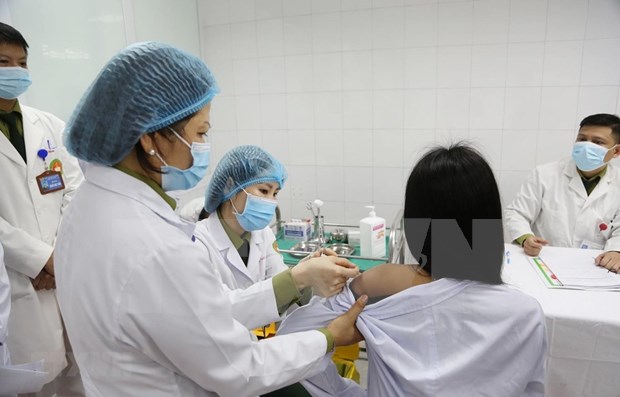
x=576, y=270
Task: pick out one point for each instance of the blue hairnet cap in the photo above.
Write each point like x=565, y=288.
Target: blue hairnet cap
x=241, y=167
x=145, y=87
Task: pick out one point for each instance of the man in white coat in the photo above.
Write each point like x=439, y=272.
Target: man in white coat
x=574, y=202
x=38, y=180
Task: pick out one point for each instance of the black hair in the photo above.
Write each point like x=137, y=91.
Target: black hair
x=604, y=120
x=453, y=215
x=10, y=35
x=143, y=157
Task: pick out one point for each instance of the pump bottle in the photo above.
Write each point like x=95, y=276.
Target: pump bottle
x=372, y=235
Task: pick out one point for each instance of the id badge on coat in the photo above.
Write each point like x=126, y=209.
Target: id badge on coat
x=589, y=245
x=50, y=181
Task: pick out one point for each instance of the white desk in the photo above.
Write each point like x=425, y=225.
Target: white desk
x=583, y=329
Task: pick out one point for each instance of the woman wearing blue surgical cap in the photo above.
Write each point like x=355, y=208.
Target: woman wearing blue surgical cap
x=240, y=202
x=144, y=307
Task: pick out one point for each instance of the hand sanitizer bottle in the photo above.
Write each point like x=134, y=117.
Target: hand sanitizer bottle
x=372, y=235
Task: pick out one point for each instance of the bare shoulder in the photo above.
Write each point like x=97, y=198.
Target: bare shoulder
x=384, y=280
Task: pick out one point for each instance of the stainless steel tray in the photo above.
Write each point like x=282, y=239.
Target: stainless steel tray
x=341, y=249
x=302, y=249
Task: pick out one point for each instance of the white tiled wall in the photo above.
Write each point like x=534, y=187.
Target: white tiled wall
x=348, y=93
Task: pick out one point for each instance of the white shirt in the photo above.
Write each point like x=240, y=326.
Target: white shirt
x=146, y=312
x=554, y=205
x=445, y=338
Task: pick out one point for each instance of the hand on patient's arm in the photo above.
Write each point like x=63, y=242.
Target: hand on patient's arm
x=327, y=275
x=343, y=328
x=609, y=260
x=533, y=244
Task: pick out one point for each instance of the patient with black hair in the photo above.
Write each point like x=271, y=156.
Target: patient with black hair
x=448, y=325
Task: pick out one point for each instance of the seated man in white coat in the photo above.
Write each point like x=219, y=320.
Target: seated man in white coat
x=574, y=202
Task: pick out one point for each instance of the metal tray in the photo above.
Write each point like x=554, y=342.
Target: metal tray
x=303, y=248
x=341, y=248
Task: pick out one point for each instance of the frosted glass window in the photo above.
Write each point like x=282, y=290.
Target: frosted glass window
x=70, y=41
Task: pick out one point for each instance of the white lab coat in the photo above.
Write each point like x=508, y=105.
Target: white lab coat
x=442, y=339
x=247, y=302
x=28, y=225
x=264, y=261
x=5, y=310
x=152, y=317
x=554, y=205
x=250, y=289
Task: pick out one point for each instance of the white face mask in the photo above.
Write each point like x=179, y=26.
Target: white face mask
x=174, y=178
x=589, y=156
x=14, y=81
x=257, y=213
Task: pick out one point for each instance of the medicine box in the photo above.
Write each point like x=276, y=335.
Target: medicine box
x=298, y=230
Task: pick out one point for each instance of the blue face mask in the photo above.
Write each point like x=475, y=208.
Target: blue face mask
x=14, y=81
x=257, y=214
x=174, y=178
x=589, y=156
